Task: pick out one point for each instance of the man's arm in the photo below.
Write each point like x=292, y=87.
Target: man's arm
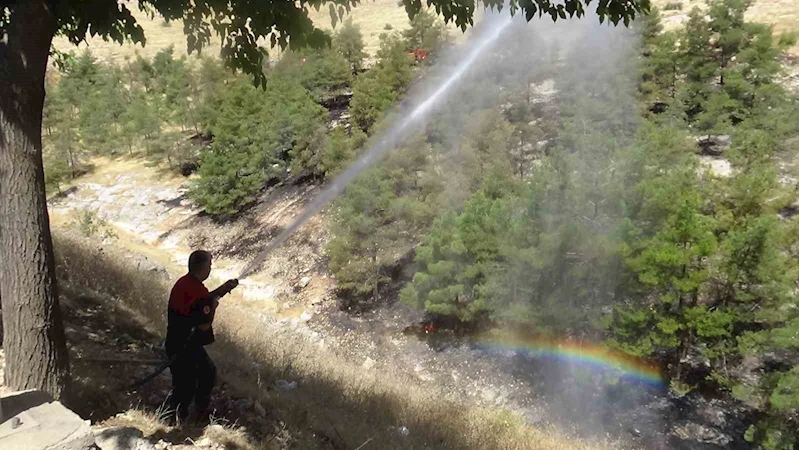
x=203, y=310
x=224, y=289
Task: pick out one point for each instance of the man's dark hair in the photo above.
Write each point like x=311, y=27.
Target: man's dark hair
x=197, y=259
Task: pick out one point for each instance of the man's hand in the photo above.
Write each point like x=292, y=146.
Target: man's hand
x=225, y=288
x=229, y=285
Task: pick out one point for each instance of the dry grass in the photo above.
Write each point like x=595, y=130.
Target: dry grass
x=230, y=436
x=158, y=37
x=782, y=14
x=147, y=422
x=336, y=404
x=371, y=15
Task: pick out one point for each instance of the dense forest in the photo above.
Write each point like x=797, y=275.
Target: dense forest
x=594, y=218
x=583, y=212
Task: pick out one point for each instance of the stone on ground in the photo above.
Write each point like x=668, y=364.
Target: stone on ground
x=33, y=421
x=122, y=438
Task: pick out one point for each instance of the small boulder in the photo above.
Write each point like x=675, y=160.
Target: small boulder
x=204, y=442
x=692, y=431
x=122, y=438
x=285, y=386
x=304, y=282
x=488, y=395
x=259, y=409
x=188, y=168
x=243, y=404
x=714, y=413
x=713, y=145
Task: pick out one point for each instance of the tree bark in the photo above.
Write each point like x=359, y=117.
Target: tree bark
x=34, y=342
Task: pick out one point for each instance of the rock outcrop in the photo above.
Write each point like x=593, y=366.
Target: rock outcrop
x=33, y=421
x=713, y=145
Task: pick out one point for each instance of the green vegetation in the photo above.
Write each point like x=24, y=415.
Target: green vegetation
x=374, y=91
x=593, y=217
x=617, y=230
x=377, y=221
x=323, y=72
x=258, y=134
x=95, y=109
x=349, y=43
x=426, y=32
x=29, y=29
x=89, y=223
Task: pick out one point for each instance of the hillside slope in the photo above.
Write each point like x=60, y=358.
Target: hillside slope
x=288, y=312
x=374, y=17
x=284, y=323
x=278, y=388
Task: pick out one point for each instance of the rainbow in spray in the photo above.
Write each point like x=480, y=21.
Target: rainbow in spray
x=577, y=352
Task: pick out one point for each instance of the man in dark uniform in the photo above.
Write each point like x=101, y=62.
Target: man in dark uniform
x=190, y=316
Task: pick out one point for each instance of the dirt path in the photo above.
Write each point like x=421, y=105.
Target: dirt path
x=150, y=215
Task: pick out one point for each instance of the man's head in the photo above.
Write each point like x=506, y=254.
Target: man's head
x=200, y=264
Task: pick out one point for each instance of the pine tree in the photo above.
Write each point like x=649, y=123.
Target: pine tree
x=727, y=21
x=340, y=150
x=61, y=137
x=487, y=149
x=348, y=41
x=141, y=119
x=212, y=82
x=322, y=72
x=371, y=98
x=651, y=26
x=456, y=258
x=362, y=232
x=100, y=109
x=660, y=74
x=229, y=180
x=373, y=92
x=378, y=221
x=426, y=32
x=394, y=65
x=696, y=63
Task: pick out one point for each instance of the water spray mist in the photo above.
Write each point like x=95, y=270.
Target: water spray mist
x=384, y=142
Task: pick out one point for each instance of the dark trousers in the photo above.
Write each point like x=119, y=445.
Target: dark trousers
x=193, y=378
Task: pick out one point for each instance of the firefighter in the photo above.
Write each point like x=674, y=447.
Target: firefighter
x=190, y=316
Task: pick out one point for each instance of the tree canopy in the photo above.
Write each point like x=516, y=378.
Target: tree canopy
x=244, y=27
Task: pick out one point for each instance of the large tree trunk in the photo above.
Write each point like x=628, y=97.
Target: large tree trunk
x=35, y=347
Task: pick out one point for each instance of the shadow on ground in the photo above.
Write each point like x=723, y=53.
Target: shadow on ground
x=110, y=350
x=334, y=405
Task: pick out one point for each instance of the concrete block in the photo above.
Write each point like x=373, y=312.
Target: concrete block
x=39, y=423
x=16, y=402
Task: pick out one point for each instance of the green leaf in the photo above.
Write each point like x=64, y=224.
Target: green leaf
x=333, y=14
